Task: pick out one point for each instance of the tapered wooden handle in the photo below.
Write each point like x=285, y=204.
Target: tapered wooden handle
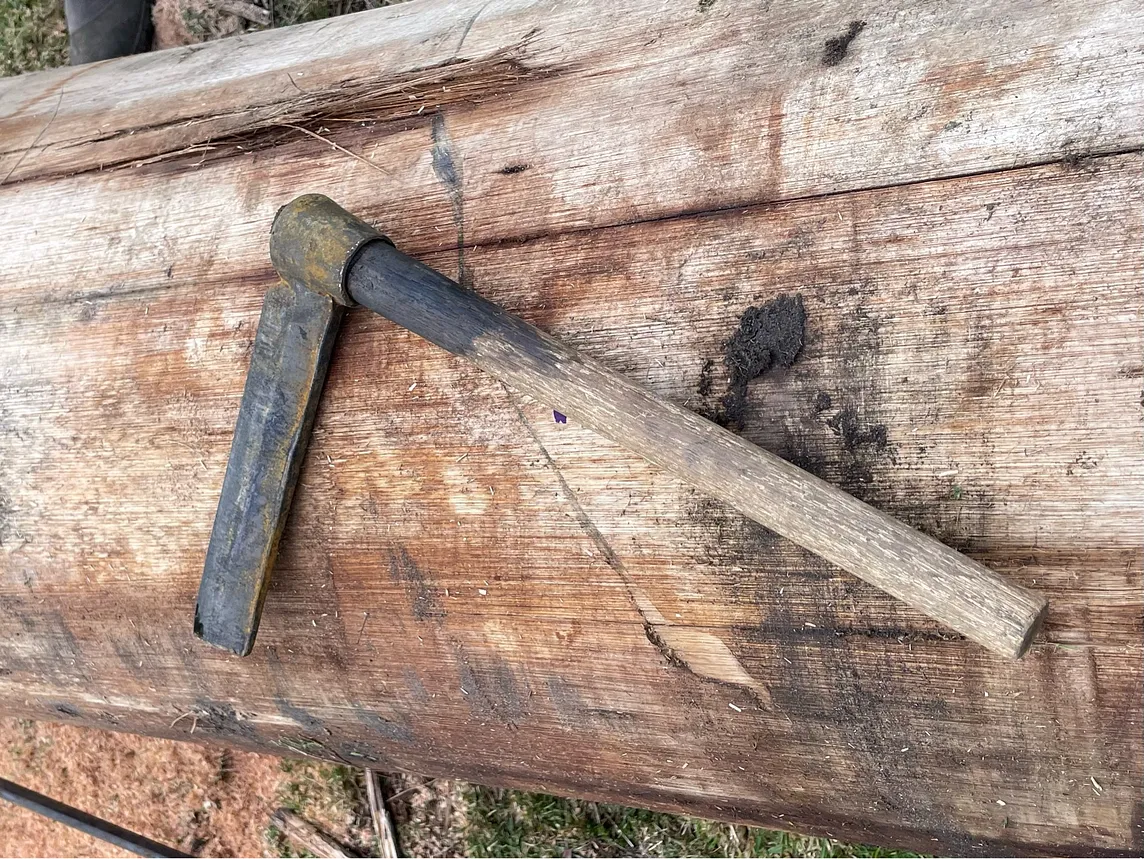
x=917, y=569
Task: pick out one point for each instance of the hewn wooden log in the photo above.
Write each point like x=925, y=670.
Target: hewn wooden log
x=570, y=116
x=472, y=591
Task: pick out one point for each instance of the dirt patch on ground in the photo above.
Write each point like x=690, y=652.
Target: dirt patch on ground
x=201, y=799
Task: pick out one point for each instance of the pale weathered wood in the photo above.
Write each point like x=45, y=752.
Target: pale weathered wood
x=569, y=115
x=938, y=581
x=456, y=595
x=461, y=586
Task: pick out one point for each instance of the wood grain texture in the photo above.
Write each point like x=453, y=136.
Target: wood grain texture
x=570, y=117
x=463, y=585
x=939, y=582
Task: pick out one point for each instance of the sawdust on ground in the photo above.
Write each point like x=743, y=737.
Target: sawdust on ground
x=213, y=801
x=205, y=799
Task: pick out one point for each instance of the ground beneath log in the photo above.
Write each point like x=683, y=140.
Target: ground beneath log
x=217, y=802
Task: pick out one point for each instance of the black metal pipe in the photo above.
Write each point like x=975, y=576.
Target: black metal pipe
x=84, y=822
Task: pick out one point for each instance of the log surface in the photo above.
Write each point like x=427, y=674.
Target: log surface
x=469, y=588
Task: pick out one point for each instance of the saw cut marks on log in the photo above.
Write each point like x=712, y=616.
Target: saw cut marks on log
x=468, y=587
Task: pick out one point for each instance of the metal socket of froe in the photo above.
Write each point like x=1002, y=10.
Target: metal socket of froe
x=313, y=242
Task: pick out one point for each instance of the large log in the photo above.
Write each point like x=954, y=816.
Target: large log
x=467, y=587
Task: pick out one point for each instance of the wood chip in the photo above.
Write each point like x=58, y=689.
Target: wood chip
x=382, y=825
x=305, y=836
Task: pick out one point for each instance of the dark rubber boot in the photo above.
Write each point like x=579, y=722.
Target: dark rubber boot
x=102, y=29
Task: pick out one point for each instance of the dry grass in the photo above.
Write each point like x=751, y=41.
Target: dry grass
x=33, y=36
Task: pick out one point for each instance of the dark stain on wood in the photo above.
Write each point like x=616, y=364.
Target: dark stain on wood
x=403, y=569
x=40, y=643
x=572, y=711
x=724, y=529
x=137, y=658
x=862, y=445
x=417, y=691
x=387, y=728
x=850, y=711
x=6, y=527
x=300, y=715
x=566, y=700
x=836, y=48
x=768, y=336
x=490, y=686
x=447, y=169
x=444, y=166
x=887, y=744
x=855, y=437
x=705, y=382
x=355, y=754
x=849, y=413
x=219, y=718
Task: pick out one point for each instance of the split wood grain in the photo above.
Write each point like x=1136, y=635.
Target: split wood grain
x=562, y=122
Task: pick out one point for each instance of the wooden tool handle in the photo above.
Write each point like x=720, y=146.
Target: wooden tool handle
x=917, y=569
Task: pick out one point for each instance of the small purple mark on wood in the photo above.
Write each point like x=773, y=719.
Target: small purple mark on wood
x=559, y=418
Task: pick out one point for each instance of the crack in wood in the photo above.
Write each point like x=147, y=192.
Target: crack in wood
x=412, y=94
x=700, y=653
